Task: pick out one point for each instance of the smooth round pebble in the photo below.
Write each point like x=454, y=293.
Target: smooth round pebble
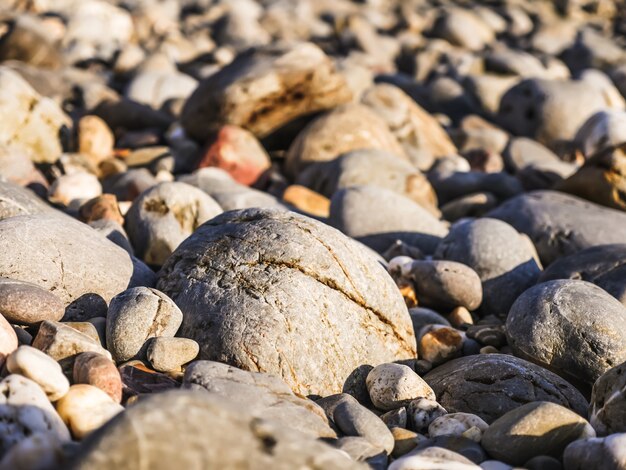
x=41, y=369
x=25, y=303
x=169, y=354
x=391, y=386
x=95, y=369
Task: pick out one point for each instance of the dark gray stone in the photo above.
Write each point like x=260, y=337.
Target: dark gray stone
x=607, y=412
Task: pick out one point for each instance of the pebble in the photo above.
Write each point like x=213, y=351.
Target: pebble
x=41, y=369
x=170, y=354
x=458, y=424
x=73, y=189
x=95, y=369
x=607, y=452
x=422, y=412
x=520, y=434
x=137, y=315
x=391, y=386
x=8, y=339
x=84, y=408
x=438, y=344
x=404, y=441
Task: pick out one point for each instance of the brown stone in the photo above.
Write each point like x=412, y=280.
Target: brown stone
x=440, y=344
x=95, y=369
x=101, y=207
x=307, y=200
x=95, y=139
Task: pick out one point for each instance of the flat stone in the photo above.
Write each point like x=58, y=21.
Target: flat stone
x=169, y=354
x=394, y=385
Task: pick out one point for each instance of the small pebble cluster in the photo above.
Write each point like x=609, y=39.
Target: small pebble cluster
x=312, y=234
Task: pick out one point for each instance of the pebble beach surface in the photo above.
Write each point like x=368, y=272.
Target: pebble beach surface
x=312, y=234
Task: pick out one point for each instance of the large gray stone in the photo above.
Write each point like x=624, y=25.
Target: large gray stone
x=257, y=286
x=489, y=385
x=377, y=217
x=571, y=327
x=215, y=433
x=262, y=395
x=560, y=224
x=500, y=255
x=63, y=256
x=607, y=411
x=16, y=200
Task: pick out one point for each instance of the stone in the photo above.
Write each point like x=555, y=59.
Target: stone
x=392, y=385
x=219, y=434
x=423, y=317
x=377, y=217
x=344, y=129
x=607, y=412
x=550, y=111
x=419, y=133
x=136, y=315
x=499, y=255
x=127, y=185
x=468, y=448
x=137, y=379
x=95, y=139
x=571, y=327
x=422, y=412
x=306, y=200
x=452, y=185
x=472, y=205
x=370, y=167
x=37, y=120
x=607, y=453
x=73, y=189
x=602, y=130
x=169, y=354
x=238, y=152
x=543, y=462
x=41, y=369
x=534, y=429
x=460, y=317
x=435, y=458
x=84, y=408
x=99, y=371
x=164, y=215
x=156, y=87
x=353, y=419
x=104, y=207
x=41, y=451
x=489, y=385
x=457, y=424
x=63, y=256
x=490, y=335
x=24, y=303
x=16, y=200
x=264, y=89
x=362, y=450
x=405, y=441
x=602, y=178
x=463, y=28
x=27, y=41
x=446, y=284
x=114, y=232
x=560, y=224
x=438, y=344
x=25, y=411
x=252, y=265
x=8, y=339
x=62, y=342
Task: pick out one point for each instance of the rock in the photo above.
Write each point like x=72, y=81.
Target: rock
x=463, y=28
x=24, y=303
x=468, y=448
x=41, y=369
x=95, y=369
x=8, y=339
x=95, y=139
x=472, y=205
x=126, y=186
x=499, y=255
x=435, y=458
x=446, y=284
x=602, y=130
x=306, y=200
x=560, y=224
x=489, y=385
x=164, y=215
x=370, y=167
x=378, y=217
x=460, y=317
x=421, y=136
x=37, y=121
x=422, y=317
x=571, y=327
x=602, y=179
x=450, y=186
x=137, y=379
x=607, y=412
x=27, y=41
x=169, y=354
x=40, y=451
x=457, y=424
x=344, y=129
x=534, y=429
x=85, y=408
x=438, y=344
x=156, y=87
x=354, y=419
x=391, y=386
x=63, y=256
x=251, y=263
x=606, y=453
x=550, y=111
x=63, y=343
x=104, y=207
x=264, y=89
x=136, y=315
x=362, y=450
x=422, y=412
x=15, y=200
x=218, y=435
x=73, y=189
x=490, y=335
x=25, y=411
x=543, y=462
x=405, y=441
